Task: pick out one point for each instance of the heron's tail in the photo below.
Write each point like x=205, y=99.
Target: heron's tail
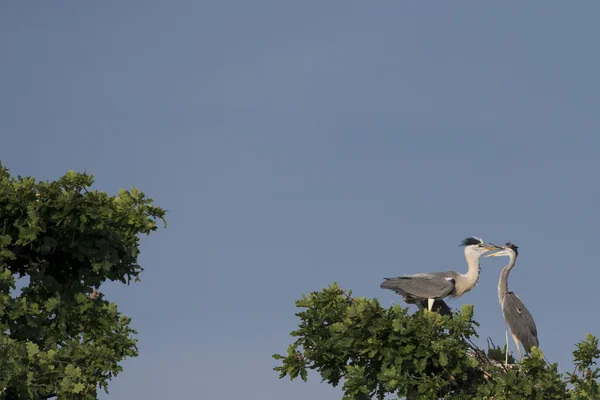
x=394, y=284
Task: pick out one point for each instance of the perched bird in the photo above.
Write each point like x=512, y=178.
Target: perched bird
x=517, y=316
x=429, y=289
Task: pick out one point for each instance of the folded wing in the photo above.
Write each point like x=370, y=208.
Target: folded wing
x=520, y=321
x=421, y=286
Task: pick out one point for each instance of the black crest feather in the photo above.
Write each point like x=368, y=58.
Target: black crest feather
x=513, y=247
x=470, y=241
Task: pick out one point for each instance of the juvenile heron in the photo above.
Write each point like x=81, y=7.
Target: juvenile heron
x=517, y=316
x=432, y=287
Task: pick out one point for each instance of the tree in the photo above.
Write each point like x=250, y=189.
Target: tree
x=60, y=336
x=377, y=352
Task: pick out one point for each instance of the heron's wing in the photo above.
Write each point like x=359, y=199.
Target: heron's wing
x=520, y=321
x=421, y=286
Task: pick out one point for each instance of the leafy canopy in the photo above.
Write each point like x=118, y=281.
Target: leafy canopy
x=60, y=337
x=377, y=351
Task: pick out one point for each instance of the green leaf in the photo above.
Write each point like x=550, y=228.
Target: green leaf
x=78, y=388
x=32, y=349
x=589, y=337
x=443, y=359
x=338, y=327
x=51, y=304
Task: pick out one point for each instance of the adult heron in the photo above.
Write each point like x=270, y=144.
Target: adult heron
x=517, y=316
x=432, y=287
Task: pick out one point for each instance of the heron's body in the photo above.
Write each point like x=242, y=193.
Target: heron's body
x=429, y=288
x=518, y=318
x=431, y=285
x=520, y=322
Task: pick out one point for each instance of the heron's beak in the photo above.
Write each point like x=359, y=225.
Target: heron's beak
x=498, y=253
x=491, y=246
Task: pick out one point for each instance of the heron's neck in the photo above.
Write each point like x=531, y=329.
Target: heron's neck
x=503, y=282
x=472, y=275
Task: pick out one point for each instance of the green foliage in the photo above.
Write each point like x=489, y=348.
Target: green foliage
x=59, y=335
x=498, y=353
x=374, y=351
x=534, y=379
x=377, y=350
x=585, y=379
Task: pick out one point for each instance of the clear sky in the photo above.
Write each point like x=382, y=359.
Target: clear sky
x=300, y=143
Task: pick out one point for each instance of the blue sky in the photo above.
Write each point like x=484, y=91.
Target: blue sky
x=300, y=143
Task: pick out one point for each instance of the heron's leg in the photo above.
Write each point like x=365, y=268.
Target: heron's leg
x=506, y=360
x=518, y=344
x=430, y=304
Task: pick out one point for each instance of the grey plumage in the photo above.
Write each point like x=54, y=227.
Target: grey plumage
x=432, y=285
x=520, y=321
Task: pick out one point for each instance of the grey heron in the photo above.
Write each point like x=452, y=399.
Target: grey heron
x=429, y=289
x=517, y=316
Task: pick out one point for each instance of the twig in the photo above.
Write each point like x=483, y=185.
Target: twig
x=348, y=297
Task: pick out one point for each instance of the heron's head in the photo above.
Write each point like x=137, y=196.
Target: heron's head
x=509, y=250
x=475, y=247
